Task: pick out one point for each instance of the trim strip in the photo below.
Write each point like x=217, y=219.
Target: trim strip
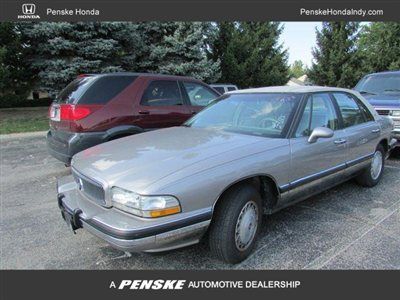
x=150, y=231
x=316, y=176
x=359, y=160
x=301, y=181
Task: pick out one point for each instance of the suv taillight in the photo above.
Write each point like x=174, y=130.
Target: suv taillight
x=70, y=112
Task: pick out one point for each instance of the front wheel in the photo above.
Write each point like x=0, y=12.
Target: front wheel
x=236, y=224
x=373, y=173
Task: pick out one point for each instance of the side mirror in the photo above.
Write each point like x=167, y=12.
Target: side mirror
x=320, y=132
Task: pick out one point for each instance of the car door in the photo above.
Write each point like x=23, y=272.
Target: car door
x=361, y=129
x=325, y=157
x=162, y=105
x=197, y=95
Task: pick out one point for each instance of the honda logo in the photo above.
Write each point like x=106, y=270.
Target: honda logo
x=28, y=9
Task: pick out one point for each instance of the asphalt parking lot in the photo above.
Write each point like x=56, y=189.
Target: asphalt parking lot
x=347, y=227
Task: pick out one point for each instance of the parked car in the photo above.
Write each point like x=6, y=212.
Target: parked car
x=223, y=88
x=382, y=90
x=97, y=108
x=250, y=152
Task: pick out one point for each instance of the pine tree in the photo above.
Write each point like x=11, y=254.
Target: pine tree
x=61, y=51
x=15, y=76
x=250, y=54
x=183, y=51
x=337, y=62
x=379, y=45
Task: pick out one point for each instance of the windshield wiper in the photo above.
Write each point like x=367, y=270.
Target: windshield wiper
x=365, y=92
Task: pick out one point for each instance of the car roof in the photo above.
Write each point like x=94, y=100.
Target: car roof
x=142, y=75
x=291, y=89
x=397, y=72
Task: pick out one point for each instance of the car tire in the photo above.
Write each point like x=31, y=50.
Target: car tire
x=371, y=175
x=236, y=223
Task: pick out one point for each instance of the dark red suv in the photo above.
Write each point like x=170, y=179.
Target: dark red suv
x=96, y=108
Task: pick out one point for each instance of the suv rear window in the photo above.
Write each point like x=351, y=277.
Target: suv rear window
x=94, y=90
x=105, y=88
x=74, y=90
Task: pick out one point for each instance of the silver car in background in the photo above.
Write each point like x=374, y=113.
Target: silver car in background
x=251, y=152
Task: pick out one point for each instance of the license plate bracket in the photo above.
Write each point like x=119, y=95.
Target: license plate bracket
x=71, y=218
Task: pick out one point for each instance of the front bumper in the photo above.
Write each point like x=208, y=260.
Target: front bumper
x=395, y=139
x=126, y=232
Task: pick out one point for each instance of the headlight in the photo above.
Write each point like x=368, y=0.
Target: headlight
x=144, y=206
x=396, y=113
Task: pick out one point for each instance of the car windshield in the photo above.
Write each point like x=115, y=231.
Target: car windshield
x=379, y=84
x=264, y=114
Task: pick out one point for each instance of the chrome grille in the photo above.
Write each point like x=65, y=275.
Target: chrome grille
x=90, y=188
x=383, y=112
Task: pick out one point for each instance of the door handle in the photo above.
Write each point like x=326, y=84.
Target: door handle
x=340, y=141
x=144, y=112
x=376, y=130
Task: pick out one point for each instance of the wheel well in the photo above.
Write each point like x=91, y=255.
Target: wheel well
x=266, y=186
x=384, y=144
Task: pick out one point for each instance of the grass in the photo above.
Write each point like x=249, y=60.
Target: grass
x=15, y=120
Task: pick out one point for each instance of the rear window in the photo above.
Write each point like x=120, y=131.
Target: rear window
x=74, y=90
x=94, y=90
x=105, y=88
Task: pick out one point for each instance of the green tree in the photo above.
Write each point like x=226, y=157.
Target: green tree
x=250, y=54
x=60, y=51
x=379, y=45
x=337, y=62
x=182, y=50
x=15, y=76
x=297, y=69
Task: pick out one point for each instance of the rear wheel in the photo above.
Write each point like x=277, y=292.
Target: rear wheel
x=373, y=173
x=236, y=224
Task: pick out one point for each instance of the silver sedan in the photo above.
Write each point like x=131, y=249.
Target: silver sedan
x=250, y=152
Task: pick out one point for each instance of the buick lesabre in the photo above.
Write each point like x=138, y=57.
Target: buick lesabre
x=249, y=153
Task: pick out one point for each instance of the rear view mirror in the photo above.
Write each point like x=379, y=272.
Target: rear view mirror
x=320, y=132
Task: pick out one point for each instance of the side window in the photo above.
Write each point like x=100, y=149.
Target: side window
x=198, y=94
x=351, y=112
x=162, y=93
x=319, y=112
x=219, y=89
x=365, y=111
x=231, y=88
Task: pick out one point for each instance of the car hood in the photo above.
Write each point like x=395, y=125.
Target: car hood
x=137, y=161
x=384, y=100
